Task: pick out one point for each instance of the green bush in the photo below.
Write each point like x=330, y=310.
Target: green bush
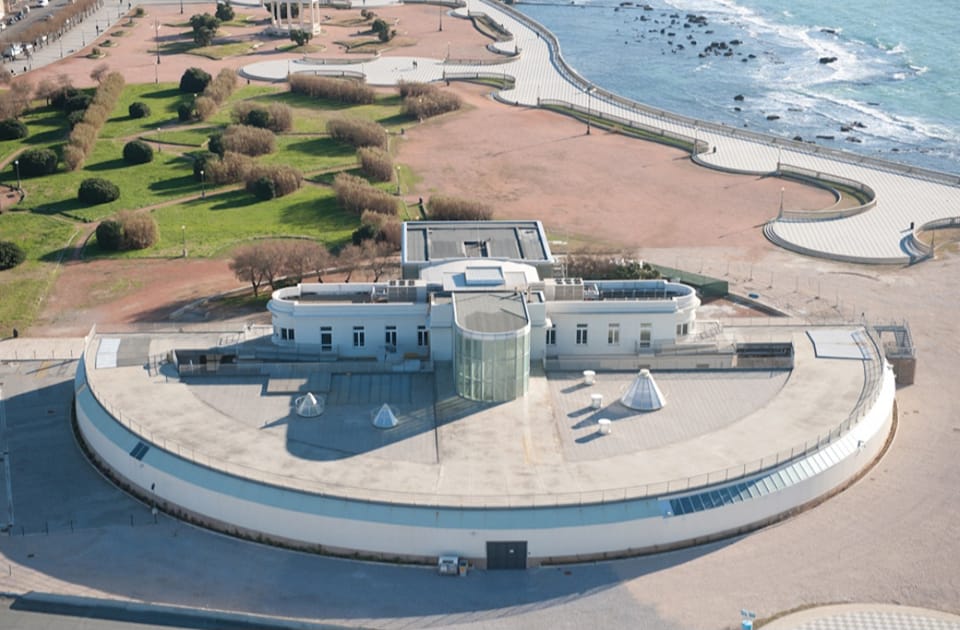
x=75, y=118
x=138, y=109
x=36, y=162
x=204, y=28
x=60, y=95
x=137, y=152
x=139, y=12
x=96, y=190
x=12, y=129
x=264, y=188
x=185, y=112
x=259, y=118
x=77, y=102
x=110, y=235
x=194, y=80
x=200, y=161
x=11, y=255
x=215, y=145
x=224, y=12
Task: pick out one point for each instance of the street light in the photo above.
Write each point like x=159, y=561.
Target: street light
x=181, y=7
x=203, y=185
x=441, y=18
x=156, y=26
x=398, y=181
x=16, y=165
x=589, y=106
x=183, y=233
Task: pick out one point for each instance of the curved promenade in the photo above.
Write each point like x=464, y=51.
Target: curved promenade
x=905, y=196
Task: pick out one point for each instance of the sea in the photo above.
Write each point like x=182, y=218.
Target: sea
x=876, y=77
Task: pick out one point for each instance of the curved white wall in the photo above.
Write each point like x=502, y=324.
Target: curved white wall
x=392, y=530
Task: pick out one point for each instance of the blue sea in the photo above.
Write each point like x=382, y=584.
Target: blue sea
x=890, y=87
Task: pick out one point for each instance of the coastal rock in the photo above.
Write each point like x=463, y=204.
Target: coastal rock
x=798, y=138
x=854, y=139
x=773, y=117
x=846, y=128
x=826, y=60
x=829, y=31
x=738, y=97
x=824, y=137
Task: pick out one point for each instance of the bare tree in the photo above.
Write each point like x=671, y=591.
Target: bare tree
x=247, y=266
x=348, y=257
x=379, y=257
x=99, y=72
x=302, y=257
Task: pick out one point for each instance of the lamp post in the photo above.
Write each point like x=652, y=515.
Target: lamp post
x=589, y=107
x=398, y=181
x=156, y=27
x=183, y=239
x=159, y=148
x=181, y=7
x=203, y=185
x=441, y=18
x=16, y=166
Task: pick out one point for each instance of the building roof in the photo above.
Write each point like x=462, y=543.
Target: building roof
x=490, y=312
x=429, y=241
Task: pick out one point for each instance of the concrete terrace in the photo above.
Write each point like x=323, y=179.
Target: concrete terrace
x=880, y=234
x=543, y=449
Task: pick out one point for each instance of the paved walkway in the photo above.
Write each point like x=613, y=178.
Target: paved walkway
x=866, y=617
x=905, y=197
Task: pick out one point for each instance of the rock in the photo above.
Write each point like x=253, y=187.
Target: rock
x=859, y=125
x=826, y=60
x=798, y=138
x=829, y=31
x=854, y=139
x=735, y=42
x=846, y=128
x=736, y=109
x=738, y=97
x=773, y=117
x=824, y=137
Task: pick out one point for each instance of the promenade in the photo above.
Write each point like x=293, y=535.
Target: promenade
x=906, y=198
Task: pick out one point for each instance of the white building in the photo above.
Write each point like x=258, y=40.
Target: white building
x=481, y=295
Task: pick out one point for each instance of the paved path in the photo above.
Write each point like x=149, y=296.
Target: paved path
x=867, y=617
x=879, y=235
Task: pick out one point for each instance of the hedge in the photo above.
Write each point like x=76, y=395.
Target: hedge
x=11, y=255
x=96, y=190
x=138, y=109
x=12, y=129
x=36, y=162
x=137, y=152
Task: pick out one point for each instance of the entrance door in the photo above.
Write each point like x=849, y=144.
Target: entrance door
x=507, y=555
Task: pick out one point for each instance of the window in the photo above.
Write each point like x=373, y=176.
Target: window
x=390, y=336
x=286, y=334
x=326, y=339
x=581, y=334
x=613, y=334
x=359, y=337
x=682, y=329
x=423, y=336
x=552, y=336
x=290, y=334
x=283, y=334
x=645, y=333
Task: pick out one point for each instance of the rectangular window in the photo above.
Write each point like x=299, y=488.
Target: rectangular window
x=613, y=334
x=286, y=334
x=290, y=334
x=390, y=336
x=423, y=336
x=581, y=334
x=359, y=337
x=646, y=331
x=326, y=339
x=552, y=336
x=283, y=333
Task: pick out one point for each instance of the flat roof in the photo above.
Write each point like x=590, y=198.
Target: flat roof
x=427, y=241
x=490, y=311
x=540, y=449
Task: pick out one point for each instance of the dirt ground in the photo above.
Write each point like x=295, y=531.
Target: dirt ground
x=601, y=188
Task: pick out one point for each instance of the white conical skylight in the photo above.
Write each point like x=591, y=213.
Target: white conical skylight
x=643, y=393
x=385, y=418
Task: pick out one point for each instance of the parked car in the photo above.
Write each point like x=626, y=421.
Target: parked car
x=12, y=51
x=43, y=3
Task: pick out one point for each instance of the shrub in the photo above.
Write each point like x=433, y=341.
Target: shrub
x=263, y=188
x=110, y=235
x=357, y=132
x=276, y=117
x=229, y=169
x=414, y=88
x=283, y=180
x=74, y=119
x=137, y=152
x=431, y=103
x=215, y=144
x=138, y=109
x=194, y=80
x=73, y=157
x=355, y=195
x=60, y=95
x=95, y=190
x=200, y=161
x=185, y=112
x=205, y=107
x=224, y=12
x=77, y=102
x=216, y=92
x=36, y=162
x=12, y=129
x=342, y=90
x=139, y=230
x=11, y=255
x=139, y=12
x=375, y=163
x=83, y=136
x=441, y=208
x=204, y=28
x=248, y=140
x=300, y=37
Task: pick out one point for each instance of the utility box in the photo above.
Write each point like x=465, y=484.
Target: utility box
x=448, y=565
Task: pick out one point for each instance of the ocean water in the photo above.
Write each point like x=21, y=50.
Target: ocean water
x=891, y=90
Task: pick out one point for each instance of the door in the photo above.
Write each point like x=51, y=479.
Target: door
x=507, y=555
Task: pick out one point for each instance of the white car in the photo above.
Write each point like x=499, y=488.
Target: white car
x=43, y=3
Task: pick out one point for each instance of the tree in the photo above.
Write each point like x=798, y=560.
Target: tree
x=137, y=152
x=95, y=190
x=36, y=162
x=300, y=37
x=204, y=28
x=224, y=12
x=99, y=72
x=194, y=80
x=348, y=257
x=138, y=109
x=12, y=129
x=378, y=256
x=11, y=255
x=110, y=235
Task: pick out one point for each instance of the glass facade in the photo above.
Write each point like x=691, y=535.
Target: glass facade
x=492, y=367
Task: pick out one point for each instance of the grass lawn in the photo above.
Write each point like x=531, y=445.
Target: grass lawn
x=222, y=50
x=162, y=100
x=215, y=225
x=311, y=153
x=43, y=239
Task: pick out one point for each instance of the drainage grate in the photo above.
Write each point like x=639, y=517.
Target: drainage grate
x=139, y=451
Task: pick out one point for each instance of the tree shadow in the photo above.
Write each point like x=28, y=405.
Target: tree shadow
x=233, y=200
x=184, y=183
x=327, y=147
x=65, y=207
x=106, y=165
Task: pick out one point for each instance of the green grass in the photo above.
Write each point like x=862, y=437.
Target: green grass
x=311, y=153
x=221, y=221
x=43, y=239
x=222, y=50
x=162, y=100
